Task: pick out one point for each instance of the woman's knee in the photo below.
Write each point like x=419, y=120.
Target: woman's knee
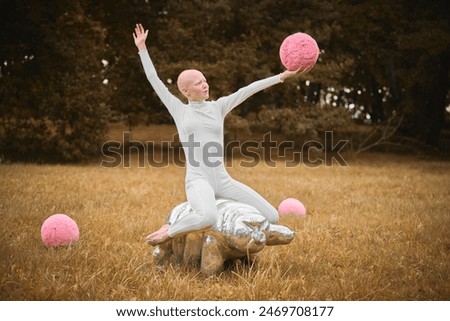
x=208, y=216
x=270, y=213
x=211, y=220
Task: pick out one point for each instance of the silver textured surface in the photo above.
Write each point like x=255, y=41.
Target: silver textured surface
x=239, y=232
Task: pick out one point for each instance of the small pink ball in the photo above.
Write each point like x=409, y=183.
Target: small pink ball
x=59, y=229
x=292, y=206
x=299, y=50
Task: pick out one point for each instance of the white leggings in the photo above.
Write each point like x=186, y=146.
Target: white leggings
x=202, y=198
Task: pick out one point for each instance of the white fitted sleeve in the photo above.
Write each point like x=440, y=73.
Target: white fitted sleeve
x=227, y=103
x=171, y=102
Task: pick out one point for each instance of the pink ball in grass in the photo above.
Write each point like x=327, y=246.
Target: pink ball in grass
x=59, y=229
x=292, y=206
x=299, y=50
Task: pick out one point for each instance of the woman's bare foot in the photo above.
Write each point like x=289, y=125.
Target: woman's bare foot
x=160, y=236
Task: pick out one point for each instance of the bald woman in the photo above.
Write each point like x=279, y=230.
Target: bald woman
x=200, y=128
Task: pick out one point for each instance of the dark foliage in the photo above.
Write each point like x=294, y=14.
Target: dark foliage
x=69, y=67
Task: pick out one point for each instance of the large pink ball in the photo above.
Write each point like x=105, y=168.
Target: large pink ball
x=292, y=206
x=299, y=50
x=59, y=229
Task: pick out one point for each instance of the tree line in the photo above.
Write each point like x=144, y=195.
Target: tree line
x=70, y=67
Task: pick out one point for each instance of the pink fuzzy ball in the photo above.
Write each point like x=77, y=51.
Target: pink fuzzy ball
x=292, y=206
x=59, y=229
x=299, y=50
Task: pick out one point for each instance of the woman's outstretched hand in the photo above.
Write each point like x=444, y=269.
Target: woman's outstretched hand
x=140, y=36
x=291, y=73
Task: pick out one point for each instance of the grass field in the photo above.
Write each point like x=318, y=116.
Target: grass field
x=378, y=229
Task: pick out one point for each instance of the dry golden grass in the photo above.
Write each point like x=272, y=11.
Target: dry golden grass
x=375, y=230
x=142, y=133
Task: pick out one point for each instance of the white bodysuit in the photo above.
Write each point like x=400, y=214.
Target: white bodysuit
x=200, y=128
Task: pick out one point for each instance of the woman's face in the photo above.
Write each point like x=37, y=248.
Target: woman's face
x=193, y=85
